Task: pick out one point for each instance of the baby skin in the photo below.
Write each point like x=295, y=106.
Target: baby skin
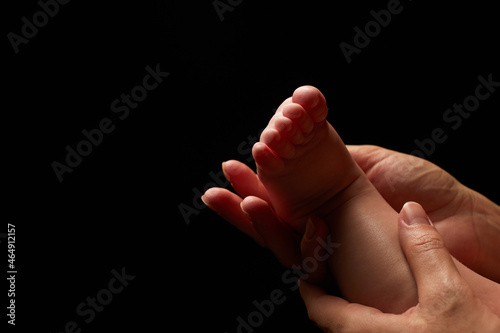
x=307, y=171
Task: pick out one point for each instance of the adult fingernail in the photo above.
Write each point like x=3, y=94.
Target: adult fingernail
x=413, y=214
x=245, y=212
x=225, y=173
x=205, y=202
x=310, y=229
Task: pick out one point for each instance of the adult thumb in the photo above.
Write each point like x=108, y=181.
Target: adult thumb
x=429, y=260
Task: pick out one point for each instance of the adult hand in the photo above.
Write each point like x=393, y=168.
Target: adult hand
x=468, y=222
x=446, y=302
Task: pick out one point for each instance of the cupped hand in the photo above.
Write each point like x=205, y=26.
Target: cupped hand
x=446, y=302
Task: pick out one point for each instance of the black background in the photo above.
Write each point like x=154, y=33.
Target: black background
x=120, y=206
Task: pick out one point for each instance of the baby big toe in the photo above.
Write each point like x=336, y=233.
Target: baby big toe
x=313, y=101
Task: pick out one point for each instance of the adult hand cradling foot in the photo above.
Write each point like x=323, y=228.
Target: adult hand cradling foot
x=305, y=170
x=446, y=301
x=468, y=222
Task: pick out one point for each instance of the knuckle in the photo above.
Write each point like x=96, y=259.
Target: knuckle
x=452, y=297
x=427, y=243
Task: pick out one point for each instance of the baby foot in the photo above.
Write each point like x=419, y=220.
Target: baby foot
x=302, y=161
x=307, y=170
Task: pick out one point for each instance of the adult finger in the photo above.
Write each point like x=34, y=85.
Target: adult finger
x=316, y=250
x=334, y=314
x=227, y=205
x=276, y=235
x=244, y=180
x=430, y=262
x=322, y=308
